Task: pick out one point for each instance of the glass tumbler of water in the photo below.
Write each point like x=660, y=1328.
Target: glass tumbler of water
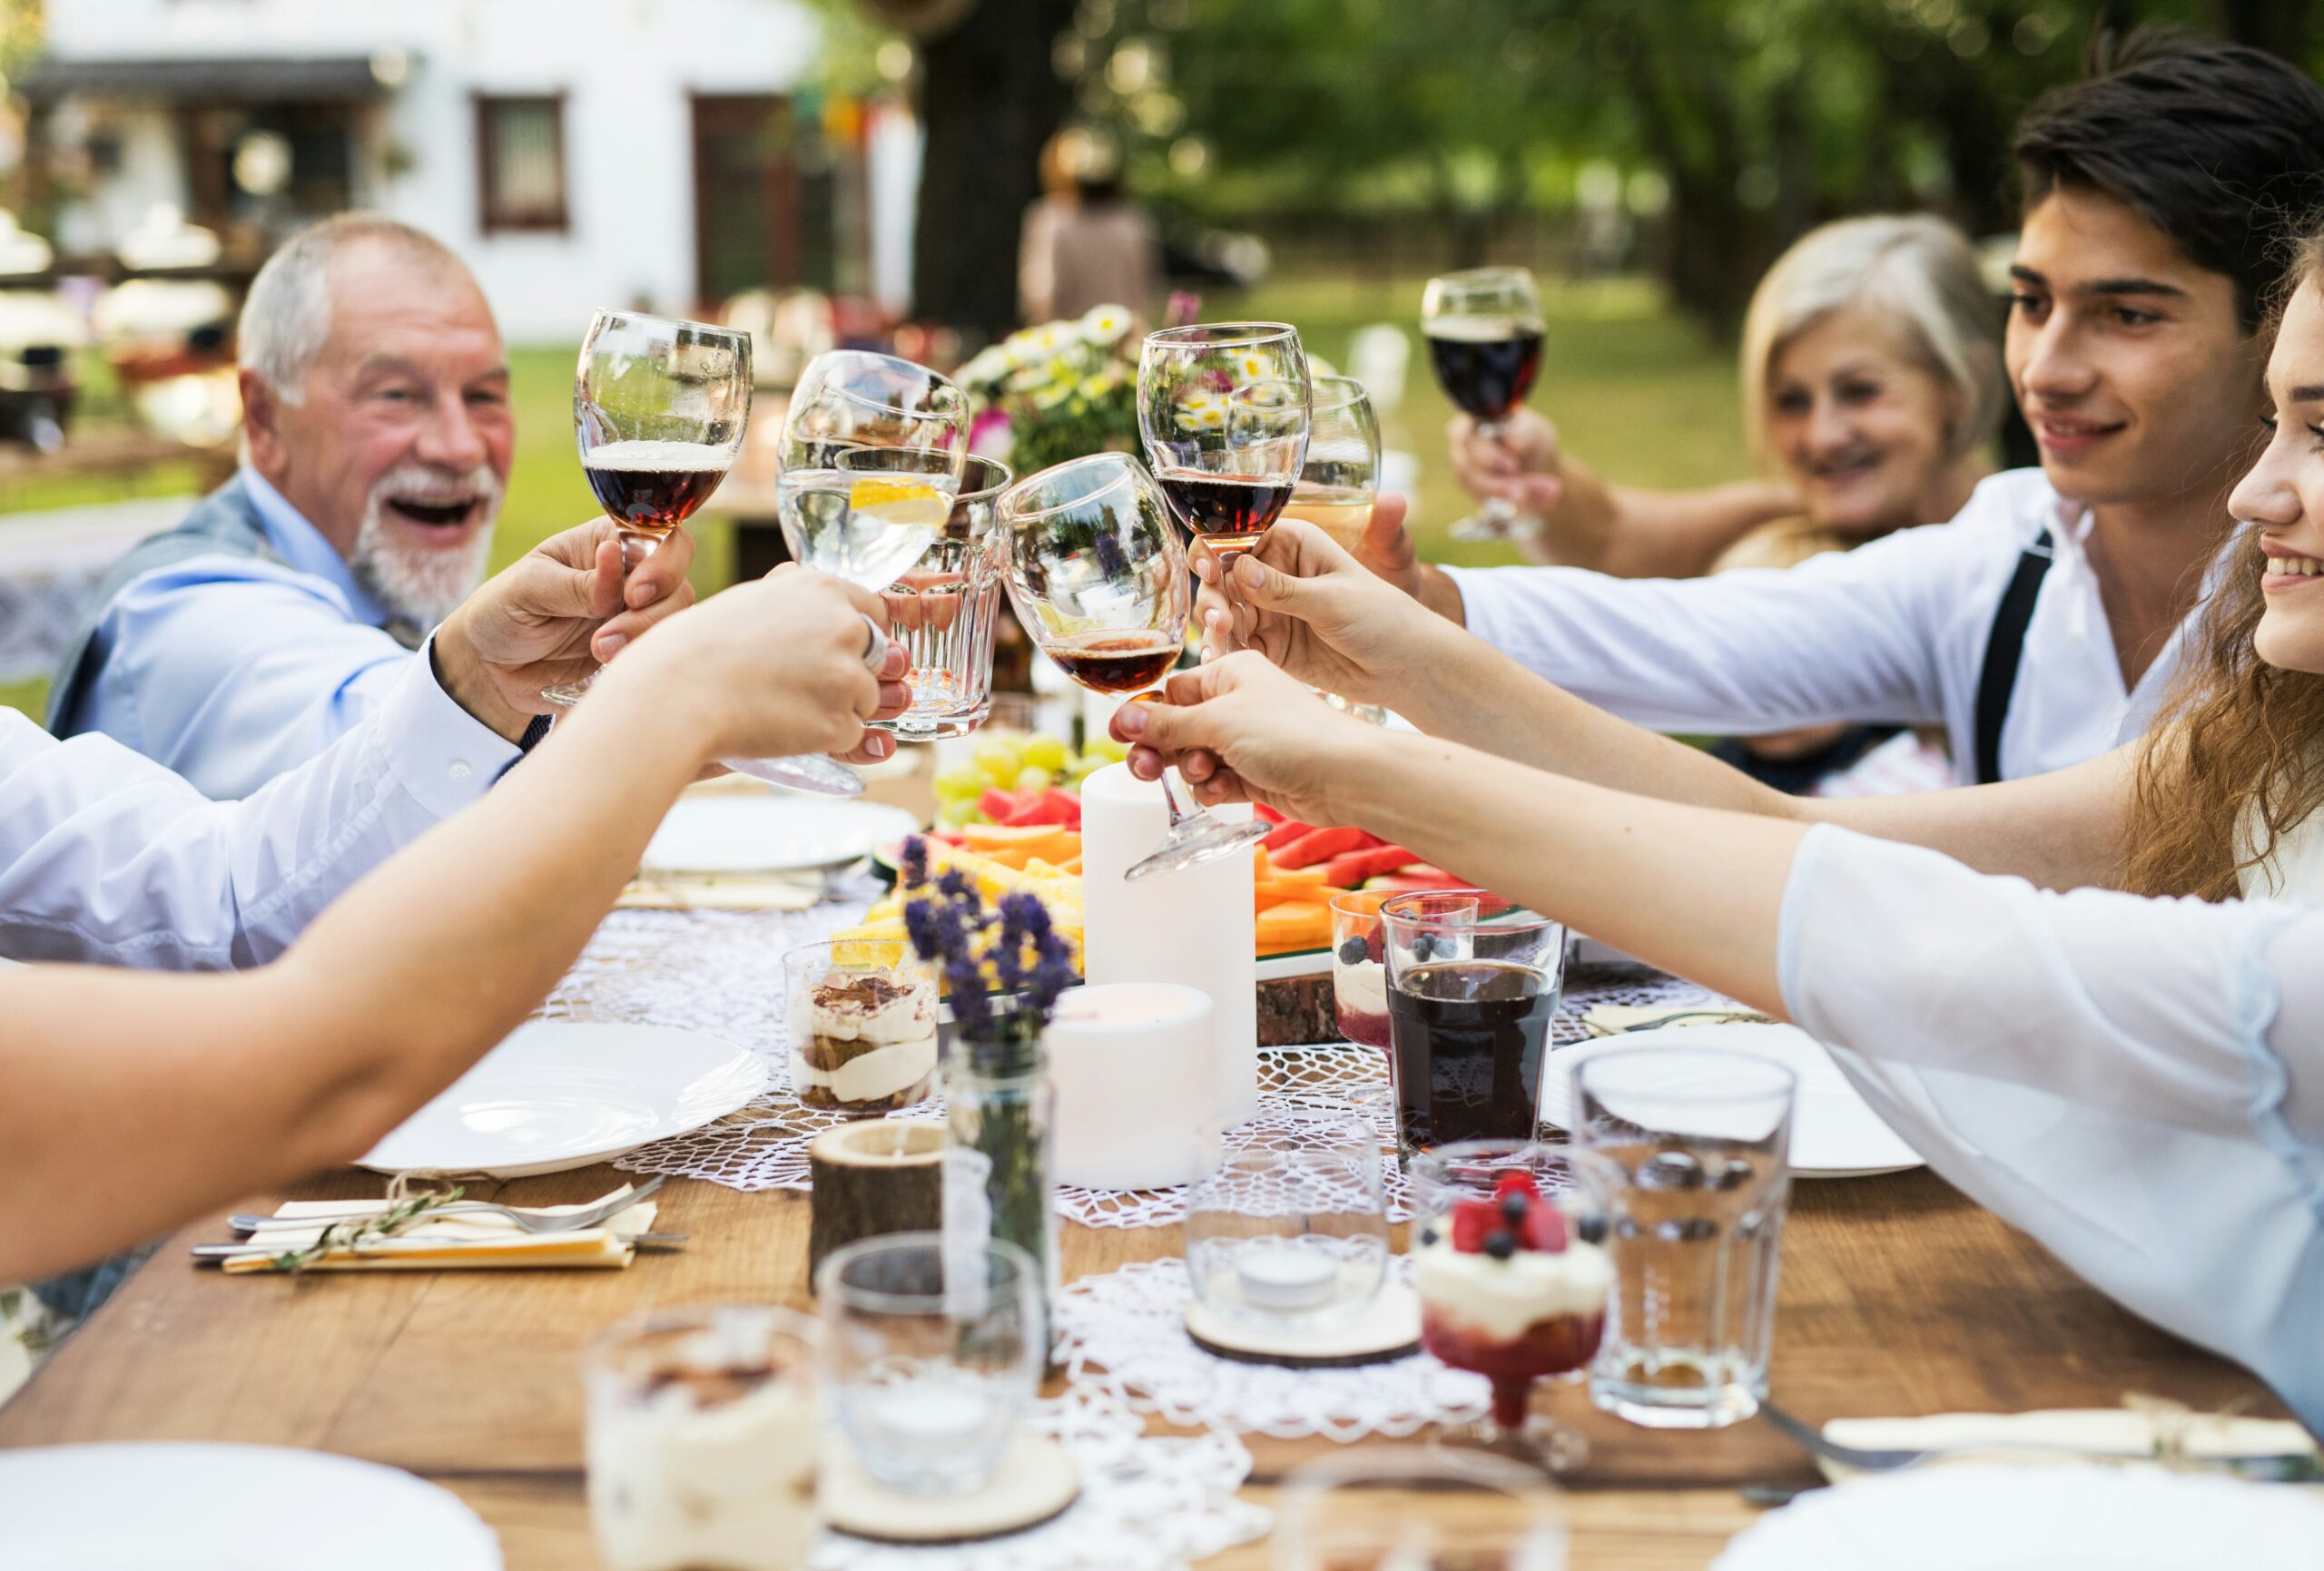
x=944, y=610
x=1287, y=1224
x=1417, y=1509
x=1699, y=1143
x=934, y=1349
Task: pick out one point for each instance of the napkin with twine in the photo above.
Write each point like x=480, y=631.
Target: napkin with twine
x=411, y=1234
x=2157, y=1431
x=1616, y=1019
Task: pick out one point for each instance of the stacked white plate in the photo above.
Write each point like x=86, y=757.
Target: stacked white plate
x=563, y=1093
x=766, y=832
x=1976, y=1518
x=170, y=1506
x=1834, y=1132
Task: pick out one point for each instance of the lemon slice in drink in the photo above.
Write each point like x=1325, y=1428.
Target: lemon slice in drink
x=904, y=504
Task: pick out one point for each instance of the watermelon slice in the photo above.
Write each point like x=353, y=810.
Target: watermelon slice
x=1066, y=802
x=1315, y=846
x=995, y=804
x=1267, y=813
x=1283, y=833
x=1349, y=871
x=1416, y=880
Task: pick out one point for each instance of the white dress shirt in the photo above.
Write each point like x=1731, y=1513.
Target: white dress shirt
x=1893, y=630
x=107, y=856
x=2137, y=1083
x=231, y=670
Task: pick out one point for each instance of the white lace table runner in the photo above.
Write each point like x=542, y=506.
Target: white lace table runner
x=721, y=972
x=1125, y=1333
x=1147, y=1504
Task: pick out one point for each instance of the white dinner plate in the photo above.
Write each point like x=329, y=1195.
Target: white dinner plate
x=565, y=1093
x=1979, y=1517
x=1834, y=1132
x=156, y=1505
x=767, y=833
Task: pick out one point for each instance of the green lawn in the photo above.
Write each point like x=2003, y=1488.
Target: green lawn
x=1632, y=388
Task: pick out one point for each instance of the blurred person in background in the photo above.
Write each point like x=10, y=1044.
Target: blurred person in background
x=1085, y=242
x=378, y=437
x=1872, y=388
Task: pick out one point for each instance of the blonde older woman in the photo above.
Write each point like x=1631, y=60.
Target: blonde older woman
x=1872, y=389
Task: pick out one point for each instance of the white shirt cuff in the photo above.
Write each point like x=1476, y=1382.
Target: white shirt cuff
x=440, y=752
x=1478, y=595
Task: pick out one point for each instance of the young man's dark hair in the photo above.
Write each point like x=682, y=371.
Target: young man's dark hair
x=2217, y=145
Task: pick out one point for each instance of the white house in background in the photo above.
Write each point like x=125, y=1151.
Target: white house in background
x=576, y=152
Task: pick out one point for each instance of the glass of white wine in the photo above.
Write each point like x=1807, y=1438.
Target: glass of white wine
x=1341, y=477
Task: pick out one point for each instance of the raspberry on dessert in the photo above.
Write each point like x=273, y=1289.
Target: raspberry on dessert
x=1517, y=1179
x=1544, y=1230
x=1473, y=1221
x=1376, y=944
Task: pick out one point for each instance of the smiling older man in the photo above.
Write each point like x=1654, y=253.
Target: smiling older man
x=378, y=437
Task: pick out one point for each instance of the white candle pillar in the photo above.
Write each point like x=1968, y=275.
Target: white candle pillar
x=1134, y=1065
x=1195, y=926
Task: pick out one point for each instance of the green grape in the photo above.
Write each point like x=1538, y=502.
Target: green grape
x=1001, y=763
x=1035, y=779
x=1047, y=752
x=960, y=780
x=959, y=811
x=1106, y=750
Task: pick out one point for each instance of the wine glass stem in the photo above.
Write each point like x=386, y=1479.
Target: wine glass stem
x=1172, y=790
x=636, y=547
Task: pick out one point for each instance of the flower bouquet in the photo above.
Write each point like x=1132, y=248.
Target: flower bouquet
x=1060, y=390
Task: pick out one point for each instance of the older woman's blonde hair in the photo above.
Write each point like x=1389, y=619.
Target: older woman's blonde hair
x=1916, y=269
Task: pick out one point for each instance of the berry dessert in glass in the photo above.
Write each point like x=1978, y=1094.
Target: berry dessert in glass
x=1512, y=1278
x=1360, y=968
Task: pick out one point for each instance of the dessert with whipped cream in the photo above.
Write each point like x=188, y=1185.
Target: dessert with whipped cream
x=1507, y=1291
x=703, y=1465
x=1360, y=988
x=863, y=1039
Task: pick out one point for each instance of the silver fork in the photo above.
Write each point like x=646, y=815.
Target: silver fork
x=2294, y=1467
x=526, y=1221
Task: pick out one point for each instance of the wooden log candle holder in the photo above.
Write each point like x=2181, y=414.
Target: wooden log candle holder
x=877, y=1176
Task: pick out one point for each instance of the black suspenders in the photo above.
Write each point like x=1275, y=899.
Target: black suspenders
x=2003, y=650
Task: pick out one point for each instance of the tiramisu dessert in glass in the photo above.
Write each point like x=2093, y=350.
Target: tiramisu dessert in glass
x=862, y=1027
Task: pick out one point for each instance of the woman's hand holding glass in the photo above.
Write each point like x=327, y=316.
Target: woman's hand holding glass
x=1240, y=730
x=1516, y=461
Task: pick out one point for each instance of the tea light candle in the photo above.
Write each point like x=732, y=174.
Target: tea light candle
x=1133, y=1066
x=934, y=1416
x=1286, y=1275
x=1196, y=928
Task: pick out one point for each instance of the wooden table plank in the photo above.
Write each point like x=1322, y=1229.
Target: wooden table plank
x=1899, y=1296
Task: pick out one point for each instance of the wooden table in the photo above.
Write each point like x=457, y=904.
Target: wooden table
x=1899, y=1297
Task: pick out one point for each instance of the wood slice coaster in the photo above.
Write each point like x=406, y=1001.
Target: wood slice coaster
x=1035, y=1483
x=1387, y=1331
x=867, y=1179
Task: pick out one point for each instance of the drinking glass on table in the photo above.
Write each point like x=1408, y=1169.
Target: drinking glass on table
x=1224, y=410
x=659, y=409
x=1286, y=1228
x=1698, y=1142
x=1484, y=342
x=934, y=1354
x=1360, y=968
x=703, y=1429
x=1417, y=1509
x=1509, y=1260
x=945, y=609
x=1472, y=986
x=1340, y=478
x=872, y=456
x=1099, y=579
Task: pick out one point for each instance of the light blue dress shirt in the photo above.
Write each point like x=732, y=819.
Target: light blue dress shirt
x=2137, y=1083
x=108, y=858
x=230, y=671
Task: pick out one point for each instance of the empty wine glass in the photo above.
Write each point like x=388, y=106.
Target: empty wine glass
x=1223, y=408
x=659, y=407
x=1099, y=579
x=1484, y=341
x=872, y=456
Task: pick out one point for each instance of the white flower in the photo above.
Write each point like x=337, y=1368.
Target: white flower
x=987, y=365
x=1251, y=366
x=1105, y=324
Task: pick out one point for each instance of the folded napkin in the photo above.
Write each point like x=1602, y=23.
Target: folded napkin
x=2158, y=1429
x=462, y=1241
x=722, y=892
x=1614, y=1019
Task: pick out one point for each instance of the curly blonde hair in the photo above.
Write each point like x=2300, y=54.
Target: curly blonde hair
x=2236, y=760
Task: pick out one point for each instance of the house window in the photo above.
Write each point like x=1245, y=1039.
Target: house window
x=520, y=163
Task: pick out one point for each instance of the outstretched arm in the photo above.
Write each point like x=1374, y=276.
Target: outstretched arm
x=223, y=1084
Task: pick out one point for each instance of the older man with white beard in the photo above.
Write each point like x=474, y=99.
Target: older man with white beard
x=377, y=444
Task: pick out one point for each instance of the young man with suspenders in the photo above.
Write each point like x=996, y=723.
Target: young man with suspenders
x=2041, y=625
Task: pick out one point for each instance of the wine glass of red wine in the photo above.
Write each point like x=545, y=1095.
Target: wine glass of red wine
x=1484, y=342
x=1099, y=579
x=1224, y=408
x=659, y=407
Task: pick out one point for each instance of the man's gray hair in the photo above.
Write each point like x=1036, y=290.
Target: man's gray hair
x=287, y=317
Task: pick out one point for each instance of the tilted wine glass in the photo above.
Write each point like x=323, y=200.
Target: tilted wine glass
x=1223, y=409
x=1484, y=342
x=1099, y=579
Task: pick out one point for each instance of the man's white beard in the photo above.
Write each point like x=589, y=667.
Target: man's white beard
x=398, y=569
